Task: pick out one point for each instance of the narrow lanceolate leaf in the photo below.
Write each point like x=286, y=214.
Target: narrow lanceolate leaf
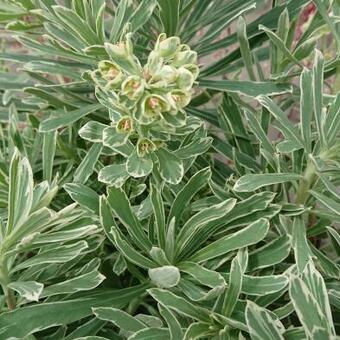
x=203, y=275
x=174, y=326
x=300, y=244
x=129, y=252
x=306, y=107
x=253, y=182
x=263, y=285
x=67, y=118
x=120, y=205
x=309, y=297
x=263, y=325
x=20, y=195
x=83, y=195
x=119, y=318
x=159, y=213
x=87, y=165
x=56, y=255
x=329, y=203
x=169, y=15
x=271, y=253
x=29, y=290
x=49, y=146
x=46, y=315
x=195, y=183
x=151, y=333
x=280, y=45
x=246, y=88
x=318, y=71
x=80, y=283
x=179, y=304
x=171, y=167
x=234, y=287
x=244, y=47
x=254, y=233
x=192, y=227
x=283, y=123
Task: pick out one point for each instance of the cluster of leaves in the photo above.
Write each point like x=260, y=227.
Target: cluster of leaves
x=143, y=197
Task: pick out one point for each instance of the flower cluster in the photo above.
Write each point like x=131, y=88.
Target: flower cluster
x=146, y=103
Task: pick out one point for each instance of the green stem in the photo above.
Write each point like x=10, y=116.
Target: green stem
x=4, y=281
x=305, y=184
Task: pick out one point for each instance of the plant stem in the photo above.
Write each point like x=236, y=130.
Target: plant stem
x=305, y=184
x=4, y=281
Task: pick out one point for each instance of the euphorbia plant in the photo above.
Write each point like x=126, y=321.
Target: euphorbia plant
x=151, y=191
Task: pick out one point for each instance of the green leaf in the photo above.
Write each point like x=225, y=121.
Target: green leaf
x=244, y=48
x=203, y=275
x=192, y=227
x=119, y=318
x=306, y=107
x=83, y=195
x=185, y=195
x=307, y=304
x=114, y=174
x=283, y=123
x=92, y=131
x=270, y=254
x=171, y=167
x=49, y=147
x=175, y=328
x=262, y=324
x=29, y=290
x=329, y=203
x=234, y=287
x=129, y=252
x=59, y=254
x=252, y=234
x=169, y=15
x=79, y=283
x=87, y=165
x=120, y=205
x=246, y=88
x=280, y=45
x=139, y=166
x=20, y=196
x=150, y=334
x=179, y=304
x=263, y=285
x=318, y=71
x=67, y=118
x=300, y=244
x=159, y=213
x=28, y=320
x=253, y=182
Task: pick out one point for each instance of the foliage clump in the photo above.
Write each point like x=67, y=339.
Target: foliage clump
x=155, y=186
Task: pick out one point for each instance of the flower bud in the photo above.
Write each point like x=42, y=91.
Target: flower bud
x=167, y=47
x=185, y=57
x=125, y=125
x=185, y=79
x=133, y=87
x=194, y=69
x=145, y=146
x=108, y=70
x=179, y=99
x=153, y=105
x=167, y=75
